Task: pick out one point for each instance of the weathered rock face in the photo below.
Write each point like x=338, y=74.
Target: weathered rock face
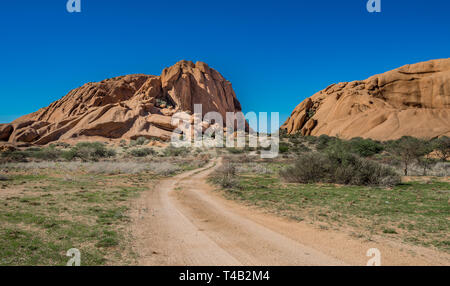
x=413, y=100
x=126, y=107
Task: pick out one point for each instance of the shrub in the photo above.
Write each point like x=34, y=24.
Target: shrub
x=225, y=176
x=164, y=168
x=87, y=151
x=161, y=102
x=341, y=168
x=365, y=147
x=442, y=146
x=49, y=153
x=310, y=114
x=34, y=149
x=308, y=168
x=369, y=173
x=311, y=139
x=389, y=231
x=426, y=162
x=139, y=142
x=236, y=150
x=408, y=149
x=142, y=152
x=113, y=168
x=284, y=148
x=15, y=156
x=229, y=169
x=249, y=149
x=243, y=158
x=60, y=144
x=173, y=151
x=323, y=141
x=254, y=168
x=283, y=134
x=300, y=148
x=441, y=169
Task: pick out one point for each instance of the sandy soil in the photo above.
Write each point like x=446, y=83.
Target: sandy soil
x=182, y=221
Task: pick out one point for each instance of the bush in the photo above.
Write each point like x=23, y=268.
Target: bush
x=236, y=150
x=284, y=148
x=340, y=168
x=311, y=139
x=283, y=134
x=89, y=151
x=225, y=176
x=323, y=141
x=442, y=146
x=249, y=149
x=142, y=152
x=408, y=149
x=365, y=147
x=369, y=173
x=172, y=151
x=15, y=156
x=48, y=154
x=60, y=144
x=139, y=142
x=308, y=168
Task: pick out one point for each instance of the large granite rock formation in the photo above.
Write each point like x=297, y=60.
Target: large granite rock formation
x=126, y=107
x=413, y=100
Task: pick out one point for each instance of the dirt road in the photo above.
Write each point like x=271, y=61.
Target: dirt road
x=181, y=221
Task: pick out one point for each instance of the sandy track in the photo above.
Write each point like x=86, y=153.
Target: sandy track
x=179, y=224
x=181, y=221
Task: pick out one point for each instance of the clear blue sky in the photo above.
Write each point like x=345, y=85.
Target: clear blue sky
x=276, y=53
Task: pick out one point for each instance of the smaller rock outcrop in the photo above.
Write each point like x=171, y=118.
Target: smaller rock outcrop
x=413, y=100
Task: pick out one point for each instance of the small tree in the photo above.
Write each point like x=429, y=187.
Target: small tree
x=407, y=149
x=365, y=147
x=424, y=159
x=442, y=146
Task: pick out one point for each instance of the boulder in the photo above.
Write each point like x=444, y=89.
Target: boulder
x=5, y=131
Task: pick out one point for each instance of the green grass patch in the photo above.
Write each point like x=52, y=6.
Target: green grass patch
x=416, y=212
x=51, y=213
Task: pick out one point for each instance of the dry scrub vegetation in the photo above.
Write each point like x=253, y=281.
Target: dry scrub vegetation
x=353, y=186
x=60, y=197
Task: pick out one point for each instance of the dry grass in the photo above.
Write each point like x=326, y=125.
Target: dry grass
x=45, y=212
x=103, y=167
x=412, y=212
x=441, y=169
x=254, y=168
